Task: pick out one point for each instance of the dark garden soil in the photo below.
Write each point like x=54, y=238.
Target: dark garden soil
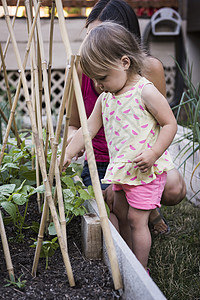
x=92, y=278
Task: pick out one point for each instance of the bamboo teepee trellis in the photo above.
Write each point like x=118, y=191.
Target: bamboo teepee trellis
x=71, y=84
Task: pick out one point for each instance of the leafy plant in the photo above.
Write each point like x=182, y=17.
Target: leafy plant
x=11, y=197
x=20, y=284
x=74, y=194
x=190, y=106
x=16, y=165
x=48, y=249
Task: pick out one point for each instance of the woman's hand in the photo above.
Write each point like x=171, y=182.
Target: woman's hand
x=145, y=159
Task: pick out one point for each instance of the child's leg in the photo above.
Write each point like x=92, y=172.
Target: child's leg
x=120, y=209
x=141, y=237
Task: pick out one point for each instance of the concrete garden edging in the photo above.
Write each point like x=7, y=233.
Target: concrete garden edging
x=137, y=283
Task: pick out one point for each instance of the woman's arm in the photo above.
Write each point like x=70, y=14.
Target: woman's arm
x=154, y=72
x=158, y=106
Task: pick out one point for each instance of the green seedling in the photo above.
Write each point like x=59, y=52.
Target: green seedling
x=20, y=284
x=48, y=249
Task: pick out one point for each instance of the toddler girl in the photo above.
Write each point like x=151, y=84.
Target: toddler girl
x=139, y=127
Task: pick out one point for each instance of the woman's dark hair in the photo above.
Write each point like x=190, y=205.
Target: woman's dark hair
x=117, y=11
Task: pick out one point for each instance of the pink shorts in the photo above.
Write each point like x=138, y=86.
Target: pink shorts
x=145, y=196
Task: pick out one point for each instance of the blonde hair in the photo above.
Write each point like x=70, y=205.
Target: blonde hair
x=105, y=45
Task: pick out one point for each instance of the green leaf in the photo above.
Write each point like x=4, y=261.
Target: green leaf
x=10, y=165
x=20, y=187
x=7, y=189
x=40, y=189
x=78, y=168
x=69, y=206
x=52, y=229
x=19, y=199
x=69, y=171
x=2, y=198
x=68, y=181
x=35, y=226
x=91, y=191
x=84, y=194
x=78, y=202
x=15, y=181
x=80, y=211
x=68, y=195
x=10, y=209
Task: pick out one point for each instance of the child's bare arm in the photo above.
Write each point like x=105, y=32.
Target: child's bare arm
x=77, y=143
x=158, y=106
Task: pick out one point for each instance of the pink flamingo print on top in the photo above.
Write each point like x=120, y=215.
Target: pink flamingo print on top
x=145, y=126
x=126, y=111
x=119, y=168
x=142, y=141
x=128, y=96
x=131, y=147
x=136, y=117
x=125, y=126
x=134, y=132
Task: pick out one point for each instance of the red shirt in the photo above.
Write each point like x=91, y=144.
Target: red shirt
x=90, y=97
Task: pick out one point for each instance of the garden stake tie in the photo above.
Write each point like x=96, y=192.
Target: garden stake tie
x=39, y=151
x=91, y=159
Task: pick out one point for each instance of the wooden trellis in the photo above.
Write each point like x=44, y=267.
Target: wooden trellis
x=33, y=101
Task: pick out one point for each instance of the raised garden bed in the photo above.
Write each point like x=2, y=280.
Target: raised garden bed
x=92, y=277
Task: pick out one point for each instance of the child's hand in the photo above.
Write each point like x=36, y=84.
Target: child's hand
x=145, y=160
x=66, y=163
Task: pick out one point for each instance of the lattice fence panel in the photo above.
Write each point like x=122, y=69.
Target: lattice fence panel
x=170, y=78
x=57, y=84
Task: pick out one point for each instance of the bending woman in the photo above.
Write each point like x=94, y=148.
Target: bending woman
x=175, y=190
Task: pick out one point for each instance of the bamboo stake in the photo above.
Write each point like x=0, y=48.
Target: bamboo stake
x=36, y=98
x=8, y=40
x=91, y=160
x=6, y=120
x=18, y=87
x=39, y=150
x=51, y=44
x=67, y=118
x=49, y=67
x=19, y=141
x=6, y=249
x=54, y=164
x=55, y=148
